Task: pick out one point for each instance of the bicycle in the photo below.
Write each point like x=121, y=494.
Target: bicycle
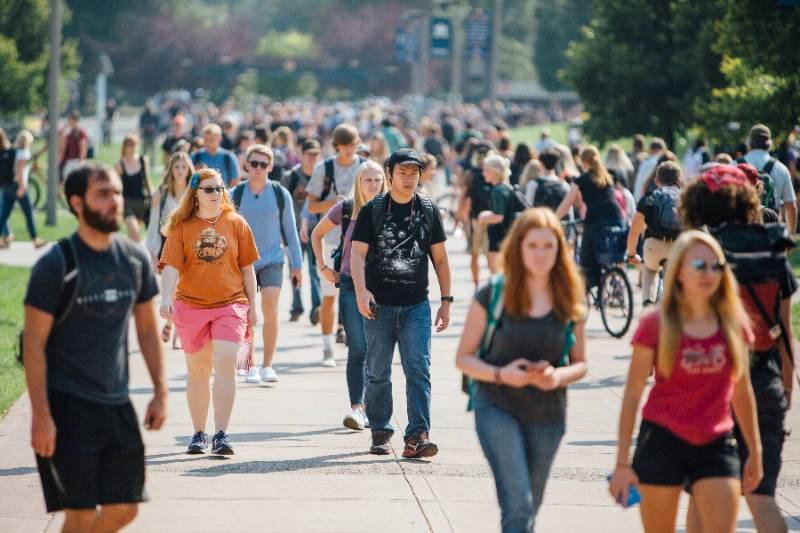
x=613, y=296
x=448, y=207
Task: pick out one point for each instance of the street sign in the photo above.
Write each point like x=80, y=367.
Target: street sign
x=406, y=44
x=441, y=34
x=478, y=30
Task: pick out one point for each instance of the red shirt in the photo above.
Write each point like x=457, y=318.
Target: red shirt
x=72, y=140
x=694, y=403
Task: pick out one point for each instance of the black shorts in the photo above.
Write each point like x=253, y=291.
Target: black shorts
x=765, y=373
x=137, y=207
x=99, y=455
x=663, y=458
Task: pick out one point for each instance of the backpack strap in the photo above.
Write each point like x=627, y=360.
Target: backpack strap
x=428, y=210
x=69, y=286
x=226, y=160
x=329, y=179
x=569, y=342
x=278, y=189
x=236, y=194
x=769, y=166
x=347, y=215
x=493, y=313
x=776, y=327
x=378, y=214
x=134, y=262
x=295, y=174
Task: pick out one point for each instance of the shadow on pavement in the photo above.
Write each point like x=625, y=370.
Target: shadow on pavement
x=613, y=381
x=291, y=465
x=18, y=471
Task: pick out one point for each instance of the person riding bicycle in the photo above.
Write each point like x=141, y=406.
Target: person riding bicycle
x=657, y=216
x=595, y=190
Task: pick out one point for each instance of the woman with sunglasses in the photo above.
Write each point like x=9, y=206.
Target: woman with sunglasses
x=370, y=181
x=698, y=342
x=209, y=254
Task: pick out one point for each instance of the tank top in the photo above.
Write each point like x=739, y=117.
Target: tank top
x=133, y=184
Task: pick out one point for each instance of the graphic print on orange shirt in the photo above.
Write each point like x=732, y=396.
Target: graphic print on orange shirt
x=211, y=245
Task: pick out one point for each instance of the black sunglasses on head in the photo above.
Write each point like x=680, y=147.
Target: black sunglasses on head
x=212, y=190
x=258, y=164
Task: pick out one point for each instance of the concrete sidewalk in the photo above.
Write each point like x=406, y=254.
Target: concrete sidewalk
x=297, y=469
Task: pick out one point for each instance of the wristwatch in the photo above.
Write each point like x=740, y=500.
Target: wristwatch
x=447, y=299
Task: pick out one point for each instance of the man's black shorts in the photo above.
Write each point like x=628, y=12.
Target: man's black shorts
x=663, y=458
x=767, y=378
x=99, y=455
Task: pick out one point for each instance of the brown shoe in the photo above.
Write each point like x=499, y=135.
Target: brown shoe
x=418, y=447
x=39, y=242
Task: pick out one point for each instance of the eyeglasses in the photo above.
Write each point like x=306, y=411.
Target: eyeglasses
x=700, y=265
x=212, y=190
x=258, y=164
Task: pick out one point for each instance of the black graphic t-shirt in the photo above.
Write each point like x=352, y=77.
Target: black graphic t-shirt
x=397, y=262
x=87, y=353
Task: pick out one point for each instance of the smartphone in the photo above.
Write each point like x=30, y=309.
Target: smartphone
x=634, y=497
x=374, y=308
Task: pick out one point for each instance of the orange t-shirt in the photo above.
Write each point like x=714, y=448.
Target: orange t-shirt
x=210, y=258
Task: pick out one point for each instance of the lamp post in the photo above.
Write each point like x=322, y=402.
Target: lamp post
x=52, y=111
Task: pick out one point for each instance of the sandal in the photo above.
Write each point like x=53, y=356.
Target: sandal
x=166, y=332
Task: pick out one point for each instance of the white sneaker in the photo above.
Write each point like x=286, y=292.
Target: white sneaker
x=253, y=375
x=327, y=359
x=356, y=420
x=268, y=375
x=241, y=372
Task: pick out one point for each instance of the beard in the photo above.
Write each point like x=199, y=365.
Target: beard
x=96, y=220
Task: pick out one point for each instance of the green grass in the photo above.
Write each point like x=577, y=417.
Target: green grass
x=794, y=259
x=558, y=132
x=13, y=282
x=66, y=224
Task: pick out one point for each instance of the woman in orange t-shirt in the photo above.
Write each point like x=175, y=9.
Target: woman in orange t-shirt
x=209, y=253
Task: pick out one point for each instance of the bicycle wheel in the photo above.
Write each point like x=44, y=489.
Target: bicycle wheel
x=35, y=191
x=448, y=203
x=616, y=301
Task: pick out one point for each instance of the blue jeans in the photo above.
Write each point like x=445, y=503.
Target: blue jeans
x=297, y=302
x=410, y=327
x=353, y=323
x=520, y=456
x=9, y=196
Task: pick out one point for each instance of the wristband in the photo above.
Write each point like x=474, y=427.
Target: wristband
x=323, y=268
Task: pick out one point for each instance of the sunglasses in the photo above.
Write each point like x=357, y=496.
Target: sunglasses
x=700, y=265
x=258, y=164
x=212, y=190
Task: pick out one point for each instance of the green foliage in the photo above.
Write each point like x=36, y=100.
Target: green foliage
x=762, y=76
x=643, y=64
x=558, y=23
x=288, y=45
x=515, y=60
x=24, y=55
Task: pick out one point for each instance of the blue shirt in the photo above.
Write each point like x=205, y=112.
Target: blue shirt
x=223, y=162
x=262, y=214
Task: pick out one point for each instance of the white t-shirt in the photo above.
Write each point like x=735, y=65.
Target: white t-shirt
x=784, y=192
x=344, y=178
x=23, y=155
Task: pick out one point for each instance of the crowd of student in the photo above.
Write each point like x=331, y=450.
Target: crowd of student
x=222, y=224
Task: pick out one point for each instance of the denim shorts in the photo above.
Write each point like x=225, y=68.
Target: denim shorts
x=270, y=276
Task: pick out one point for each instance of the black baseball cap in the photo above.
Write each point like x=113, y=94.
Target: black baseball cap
x=311, y=145
x=404, y=156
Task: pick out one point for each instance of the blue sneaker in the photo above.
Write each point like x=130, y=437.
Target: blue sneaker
x=199, y=444
x=221, y=444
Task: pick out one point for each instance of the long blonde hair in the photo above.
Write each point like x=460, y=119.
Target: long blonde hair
x=725, y=303
x=566, y=286
x=24, y=140
x=187, y=206
x=532, y=170
x=499, y=164
x=168, y=182
x=5, y=144
x=591, y=159
x=358, y=195
x=131, y=140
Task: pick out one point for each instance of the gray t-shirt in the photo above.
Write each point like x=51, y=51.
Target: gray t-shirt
x=344, y=178
x=534, y=339
x=87, y=353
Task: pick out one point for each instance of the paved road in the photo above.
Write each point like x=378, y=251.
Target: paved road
x=297, y=469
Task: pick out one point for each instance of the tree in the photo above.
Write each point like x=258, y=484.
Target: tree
x=761, y=70
x=643, y=64
x=558, y=23
x=24, y=55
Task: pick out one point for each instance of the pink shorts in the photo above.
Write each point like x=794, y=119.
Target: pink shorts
x=197, y=326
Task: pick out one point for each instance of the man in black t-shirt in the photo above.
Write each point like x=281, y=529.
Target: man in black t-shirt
x=80, y=298
x=393, y=237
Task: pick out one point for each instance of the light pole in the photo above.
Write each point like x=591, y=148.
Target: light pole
x=497, y=31
x=52, y=111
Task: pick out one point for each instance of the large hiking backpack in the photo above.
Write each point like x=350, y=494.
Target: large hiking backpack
x=767, y=184
x=7, y=160
x=549, y=193
x=238, y=191
x=666, y=223
x=757, y=255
